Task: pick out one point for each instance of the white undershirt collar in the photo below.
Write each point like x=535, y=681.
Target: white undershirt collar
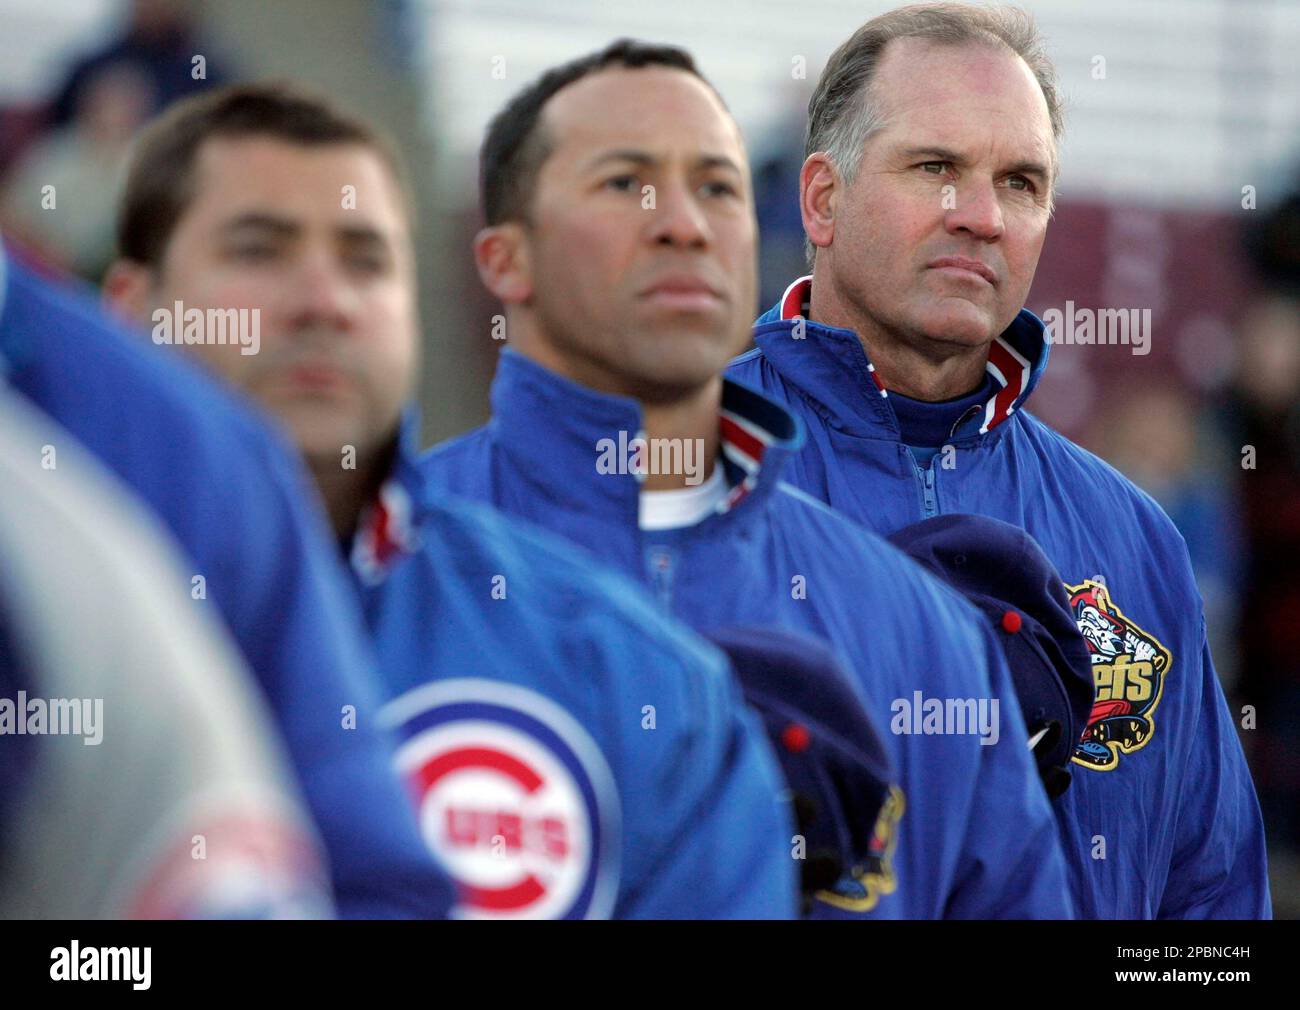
x=680, y=507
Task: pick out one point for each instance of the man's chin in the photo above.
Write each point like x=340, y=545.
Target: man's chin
x=963, y=324
x=682, y=374
x=319, y=433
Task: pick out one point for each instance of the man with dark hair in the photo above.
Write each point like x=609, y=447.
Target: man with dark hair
x=926, y=194
x=517, y=143
x=167, y=162
x=626, y=262
x=226, y=209
x=574, y=753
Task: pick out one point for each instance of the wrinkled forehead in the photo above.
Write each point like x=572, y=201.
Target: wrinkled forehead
x=661, y=110
x=969, y=89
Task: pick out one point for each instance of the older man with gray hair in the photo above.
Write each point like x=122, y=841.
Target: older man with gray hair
x=926, y=192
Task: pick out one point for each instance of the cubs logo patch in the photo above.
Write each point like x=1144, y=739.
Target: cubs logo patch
x=861, y=889
x=513, y=797
x=1128, y=674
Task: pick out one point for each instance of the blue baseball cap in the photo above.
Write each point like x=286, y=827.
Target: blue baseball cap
x=1001, y=569
x=832, y=754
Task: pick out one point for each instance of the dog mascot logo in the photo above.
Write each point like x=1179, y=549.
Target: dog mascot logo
x=1128, y=673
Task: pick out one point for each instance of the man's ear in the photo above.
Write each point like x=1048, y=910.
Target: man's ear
x=501, y=255
x=127, y=290
x=817, y=192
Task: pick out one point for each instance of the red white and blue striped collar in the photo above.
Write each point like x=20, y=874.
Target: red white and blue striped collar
x=384, y=533
x=538, y=413
x=1012, y=371
x=387, y=530
x=749, y=427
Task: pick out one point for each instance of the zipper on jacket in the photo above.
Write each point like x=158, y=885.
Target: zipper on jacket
x=929, y=495
x=659, y=562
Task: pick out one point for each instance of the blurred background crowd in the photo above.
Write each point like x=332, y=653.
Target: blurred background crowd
x=1180, y=193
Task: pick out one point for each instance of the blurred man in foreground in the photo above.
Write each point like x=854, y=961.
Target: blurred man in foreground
x=140, y=773
x=231, y=495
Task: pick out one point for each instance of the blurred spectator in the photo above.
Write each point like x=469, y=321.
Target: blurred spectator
x=1157, y=440
x=777, y=161
x=84, y=162
x=104, y=98
x=1273, y=243
x=1261, y=418
x=160, y=44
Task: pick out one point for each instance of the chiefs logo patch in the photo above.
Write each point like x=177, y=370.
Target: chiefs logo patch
x=514, y=798
x=1128, y=674
x=860, y=891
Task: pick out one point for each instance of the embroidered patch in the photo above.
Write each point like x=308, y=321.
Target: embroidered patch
x=513, y=797
x=861, y=889
x=1128, y=675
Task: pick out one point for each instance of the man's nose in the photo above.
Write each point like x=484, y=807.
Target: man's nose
x=976, y=210
x=322, y=294
x=678, y=219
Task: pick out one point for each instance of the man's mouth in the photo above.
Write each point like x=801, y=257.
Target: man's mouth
x=965, y=267
x=685, y=292
x=314, y=377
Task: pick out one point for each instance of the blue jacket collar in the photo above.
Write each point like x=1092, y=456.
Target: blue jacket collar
x=830, y=365
x=557, y=430
x=388, y=529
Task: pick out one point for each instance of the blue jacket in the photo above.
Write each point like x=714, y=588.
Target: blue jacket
x=773, y=556
x=232, y=495
x=1162, y=819
x=510, y=656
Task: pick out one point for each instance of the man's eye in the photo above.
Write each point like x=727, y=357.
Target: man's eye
x=622, y=183
x=253, y=253
x=936, y=166
x=1025, y=183
x=368, y=263
x=720, y=188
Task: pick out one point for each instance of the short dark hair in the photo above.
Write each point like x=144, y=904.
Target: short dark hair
x=514, y=148
x=160, y=181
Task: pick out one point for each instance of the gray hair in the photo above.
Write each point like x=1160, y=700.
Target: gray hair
x=841, y=115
